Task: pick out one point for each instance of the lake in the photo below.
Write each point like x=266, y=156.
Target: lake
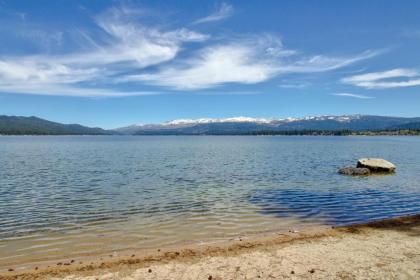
x=64, y=196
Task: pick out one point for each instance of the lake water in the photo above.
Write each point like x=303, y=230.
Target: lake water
x=72, y=196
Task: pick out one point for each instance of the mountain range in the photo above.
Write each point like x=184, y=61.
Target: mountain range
x=244, y=125
x=15, y=125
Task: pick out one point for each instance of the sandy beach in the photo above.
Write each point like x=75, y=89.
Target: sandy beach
x=387, y=249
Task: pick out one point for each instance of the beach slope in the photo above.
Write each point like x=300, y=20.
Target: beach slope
x=379, y=250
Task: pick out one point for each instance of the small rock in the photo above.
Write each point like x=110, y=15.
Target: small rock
x=36, y=268
x=312, y=270
x=376, y=165
x=11, y=269
x=133, y=255
x=292, y=272
x=60, y=263
x=150, y=270
x=210, y=277
x=356, y=171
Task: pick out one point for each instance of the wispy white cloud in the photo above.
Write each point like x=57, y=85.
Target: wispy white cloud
x=124, y=54
x=322, y=63
x=232, y=63
x=359, y=96
x=411, y=33
x=224, y=11
x=128, y=46
x=71, y=90
x=247, y=61
x=295, y=85
x=385, y=79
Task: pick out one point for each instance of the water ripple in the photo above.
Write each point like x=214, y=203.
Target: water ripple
x=77, y=195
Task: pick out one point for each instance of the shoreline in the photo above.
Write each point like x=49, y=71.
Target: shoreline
x=394, y=230
x=417, y=133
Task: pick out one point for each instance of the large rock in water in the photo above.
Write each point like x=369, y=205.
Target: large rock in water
x=376, y=165
x=354, y=171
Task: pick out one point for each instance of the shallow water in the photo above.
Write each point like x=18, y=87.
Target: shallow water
x=69, y=196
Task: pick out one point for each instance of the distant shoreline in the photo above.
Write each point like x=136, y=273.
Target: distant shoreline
x=378, y=248
x=304, y=133
x=321, y=125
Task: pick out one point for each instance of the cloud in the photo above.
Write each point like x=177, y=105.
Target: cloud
x=385, y=79
x=214, y=66
x=247, y=61
x=301, y=85
x=322, y=63
x=224, y=11
x=124, y=54
x=359, y=96
x=411, y=33
x=126, y=46
x=74, y=91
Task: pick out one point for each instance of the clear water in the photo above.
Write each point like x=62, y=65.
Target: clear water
x=69, y=196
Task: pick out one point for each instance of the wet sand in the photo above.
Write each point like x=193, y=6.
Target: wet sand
x=387, y=249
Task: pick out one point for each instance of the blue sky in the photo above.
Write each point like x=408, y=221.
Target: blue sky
x=115, y=63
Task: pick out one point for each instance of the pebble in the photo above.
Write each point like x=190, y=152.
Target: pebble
x=210, y=277
x=150, y=270
x=11, y=269
x=312, y=270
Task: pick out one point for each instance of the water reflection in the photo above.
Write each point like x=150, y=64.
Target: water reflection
x=336, y=206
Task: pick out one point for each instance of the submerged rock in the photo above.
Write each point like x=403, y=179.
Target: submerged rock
x=376, y=165
x=354, y=171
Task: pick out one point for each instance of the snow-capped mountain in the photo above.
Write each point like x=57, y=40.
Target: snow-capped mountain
x=210, y=120
x=257, y=120
x=246, y=125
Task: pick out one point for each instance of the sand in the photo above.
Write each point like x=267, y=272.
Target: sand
x=379, y=250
